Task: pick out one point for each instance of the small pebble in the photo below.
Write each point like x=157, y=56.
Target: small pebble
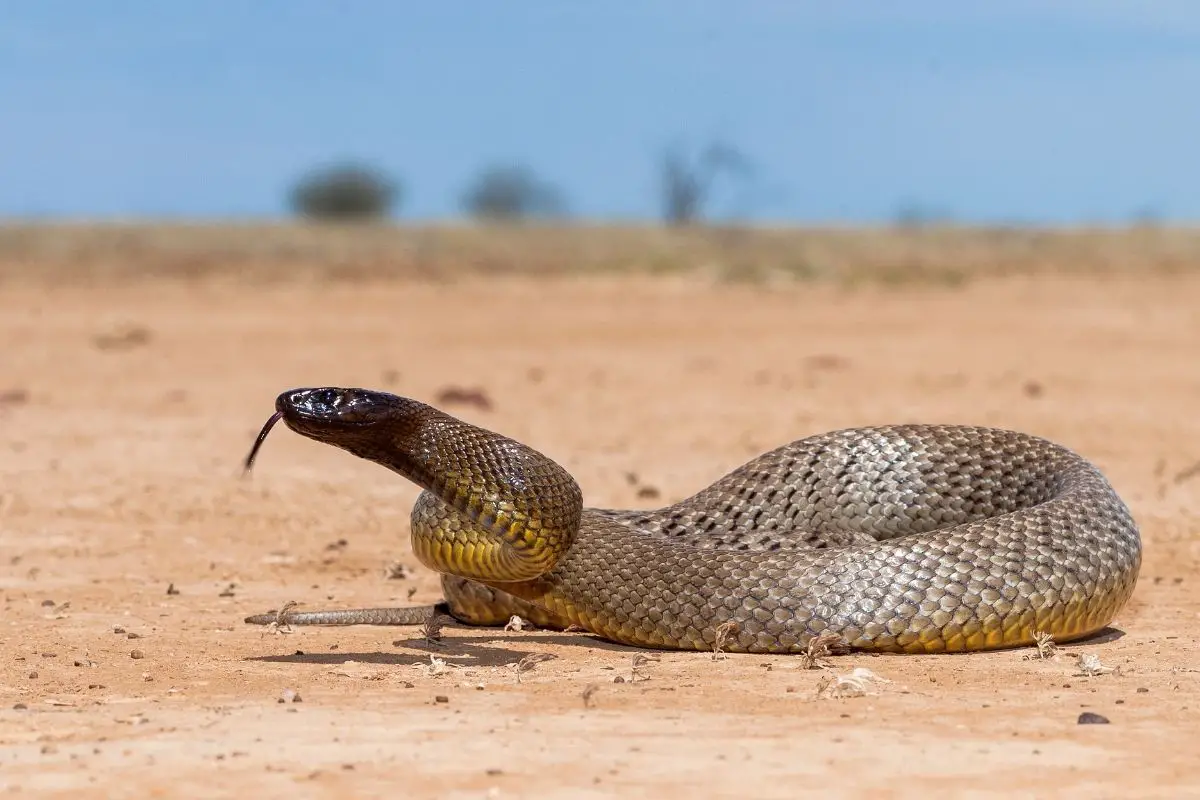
x=20, y=707
x=33, y=675
x=1088, y=718
x=135, y=654
x=441, y=698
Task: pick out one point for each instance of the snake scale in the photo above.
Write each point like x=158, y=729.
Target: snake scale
x=903, y=538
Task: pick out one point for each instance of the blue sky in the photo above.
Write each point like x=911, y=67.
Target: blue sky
x=1070, y=111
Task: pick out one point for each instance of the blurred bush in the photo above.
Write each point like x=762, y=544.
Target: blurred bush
x=345, y=192
x=511, y=194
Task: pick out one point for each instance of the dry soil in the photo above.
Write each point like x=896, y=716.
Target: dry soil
x=132, y=547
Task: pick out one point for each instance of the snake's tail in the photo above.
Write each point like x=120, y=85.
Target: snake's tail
x=413, y=615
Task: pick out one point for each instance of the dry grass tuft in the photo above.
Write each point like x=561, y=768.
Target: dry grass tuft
x=820, y=647
x=1046, y=648
x=724, y=631
x=431, y=628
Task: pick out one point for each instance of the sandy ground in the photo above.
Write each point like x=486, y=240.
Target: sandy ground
x=132, y=548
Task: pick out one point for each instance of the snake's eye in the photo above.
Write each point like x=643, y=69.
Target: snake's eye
x=328, y=397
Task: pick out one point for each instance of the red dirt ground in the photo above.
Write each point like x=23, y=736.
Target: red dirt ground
x=125, y=413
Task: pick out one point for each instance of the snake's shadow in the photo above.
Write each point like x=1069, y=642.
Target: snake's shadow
x=494, y=650
x=1102, y=636
x=489, y=650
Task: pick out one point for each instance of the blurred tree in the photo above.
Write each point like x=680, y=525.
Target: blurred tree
x=1147, y=216
x=511, y=194
x=345, y=192
x=916, y=214
x=686, y=183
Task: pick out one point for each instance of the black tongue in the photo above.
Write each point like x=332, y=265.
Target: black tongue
x=262, y=435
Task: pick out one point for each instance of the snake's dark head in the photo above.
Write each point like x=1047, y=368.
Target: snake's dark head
x=362, y=421
x=313, y=411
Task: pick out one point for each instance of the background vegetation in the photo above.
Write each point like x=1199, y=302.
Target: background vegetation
x=898, y=254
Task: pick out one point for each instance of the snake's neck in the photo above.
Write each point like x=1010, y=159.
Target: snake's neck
x=492, y=506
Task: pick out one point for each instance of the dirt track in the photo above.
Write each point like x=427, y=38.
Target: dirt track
x=124, y=414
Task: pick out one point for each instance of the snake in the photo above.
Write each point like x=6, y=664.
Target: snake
x=904, y=538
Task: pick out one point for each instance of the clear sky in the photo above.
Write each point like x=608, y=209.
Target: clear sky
x=988, y=111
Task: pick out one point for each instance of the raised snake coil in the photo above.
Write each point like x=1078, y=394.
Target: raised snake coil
x=905, y=538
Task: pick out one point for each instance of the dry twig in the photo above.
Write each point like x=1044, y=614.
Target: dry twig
x=1089, y=666
x=530, y=661
x=436, y=666
x=636, y=664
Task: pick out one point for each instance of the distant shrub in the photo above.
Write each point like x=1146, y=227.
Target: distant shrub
x=345, y=192
x=511, y=193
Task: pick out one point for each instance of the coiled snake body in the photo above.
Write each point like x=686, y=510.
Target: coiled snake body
x=905, y=538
